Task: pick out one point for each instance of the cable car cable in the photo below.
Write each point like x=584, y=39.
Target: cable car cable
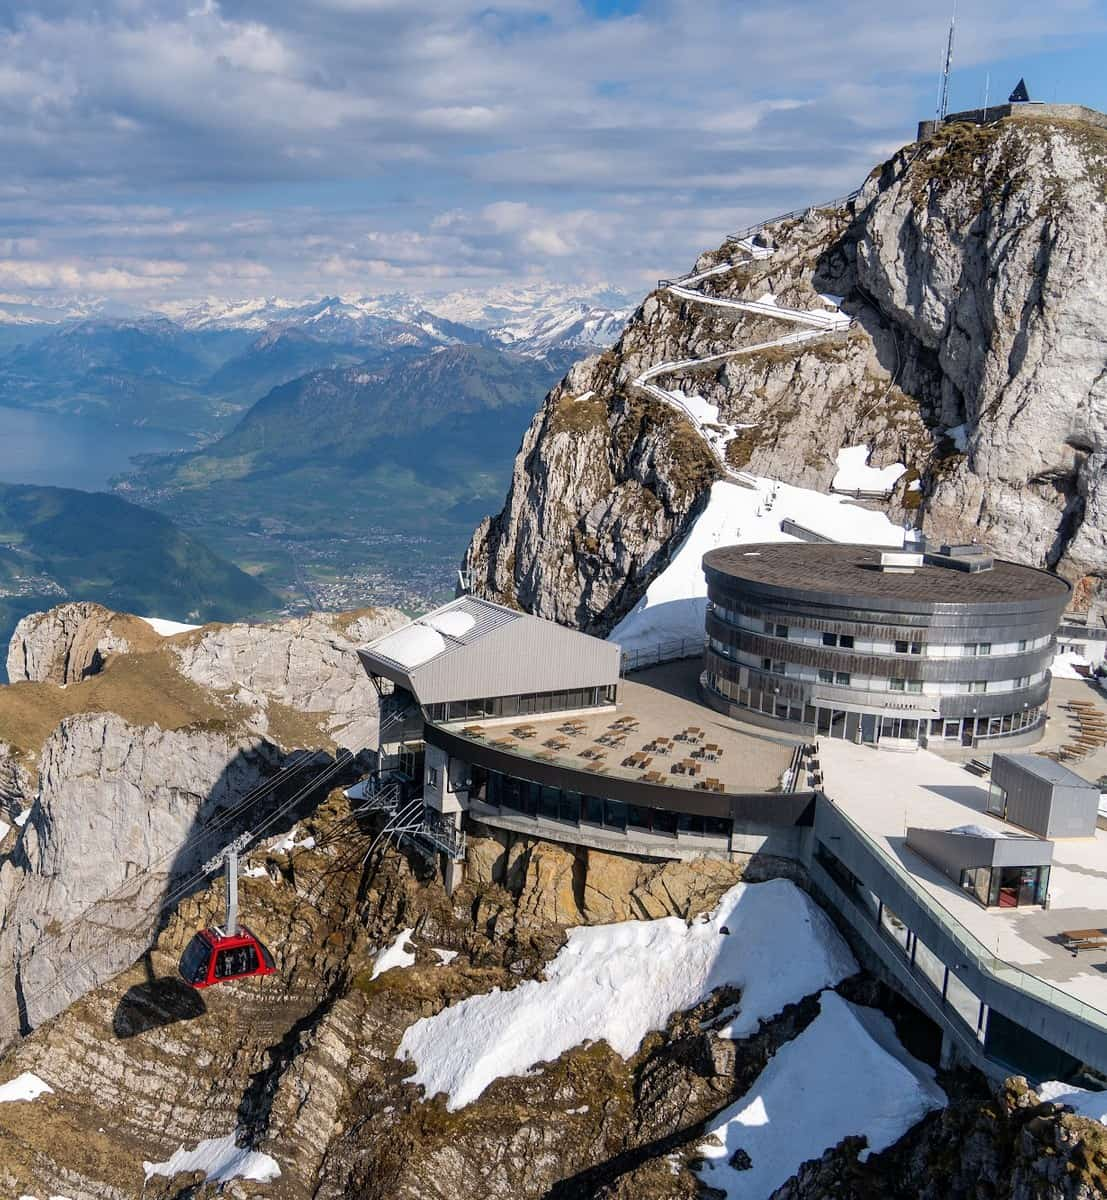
x=325, y=776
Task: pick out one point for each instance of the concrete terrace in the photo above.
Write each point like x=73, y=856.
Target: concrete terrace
x=665, y=702
x=883, y=793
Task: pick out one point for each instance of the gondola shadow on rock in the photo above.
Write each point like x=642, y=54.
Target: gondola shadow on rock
x=155, y=1004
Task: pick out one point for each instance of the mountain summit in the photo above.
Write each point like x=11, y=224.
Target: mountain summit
x=949, y=318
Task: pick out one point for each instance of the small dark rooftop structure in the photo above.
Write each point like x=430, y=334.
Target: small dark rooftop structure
x=998, y=869
x=1043, y=796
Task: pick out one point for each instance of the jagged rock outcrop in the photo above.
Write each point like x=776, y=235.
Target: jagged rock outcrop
x=972, y=266
x=306, y=664
x=1007, y=1141
x=300, y=664
x=70, y=642
x=16, y=784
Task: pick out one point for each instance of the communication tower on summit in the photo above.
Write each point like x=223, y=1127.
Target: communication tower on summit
x=943, y=81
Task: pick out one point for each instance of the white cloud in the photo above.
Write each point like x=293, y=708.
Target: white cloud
x=382, y=139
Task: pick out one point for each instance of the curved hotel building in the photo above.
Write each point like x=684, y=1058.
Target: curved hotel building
x=900, y=649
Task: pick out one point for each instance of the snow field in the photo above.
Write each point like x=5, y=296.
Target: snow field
x=855, y=475
x=618, y=982
x=675, y=602
x=846, y=1074
x=221, y=1160
x=1084, y=1103
x=23, y=1087
x=1064, y=666
x=394, y=955
x=167, y=628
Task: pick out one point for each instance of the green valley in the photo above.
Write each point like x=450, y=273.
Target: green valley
x=58, y=543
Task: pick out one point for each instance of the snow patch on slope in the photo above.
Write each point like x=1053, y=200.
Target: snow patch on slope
x=221, y=1160
x=675, y=602
x=618, y=982
x=855, y=475
x=844, y=1075
x=23, y=1087
x=167, y=628
x=1092, y=1105
x=395, y=955
x=1070, y=665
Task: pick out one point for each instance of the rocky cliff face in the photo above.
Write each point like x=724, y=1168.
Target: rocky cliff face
x=971, y=265
x=302, y=1066
x=114, y=802
x=308, y=665
x=117, y=745
x=70, y=642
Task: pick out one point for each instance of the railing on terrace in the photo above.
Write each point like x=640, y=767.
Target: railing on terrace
x=750, y=230
x=864, y=493
x=662, y=652
x=970, y=946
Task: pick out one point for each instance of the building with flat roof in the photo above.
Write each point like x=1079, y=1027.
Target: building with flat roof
x=890, y=648
x=490, y=715
x=528, y=726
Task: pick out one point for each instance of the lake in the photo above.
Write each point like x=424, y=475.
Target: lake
x=77, y=452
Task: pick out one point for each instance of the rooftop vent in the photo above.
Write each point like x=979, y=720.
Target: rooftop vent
x=900, y=562
x=965, y=556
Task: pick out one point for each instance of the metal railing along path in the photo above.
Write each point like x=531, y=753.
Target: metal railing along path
x=671, y=650
x=974, y=950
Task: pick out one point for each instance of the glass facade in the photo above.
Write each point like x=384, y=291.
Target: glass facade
x=521, y=796
x=773, y=699
x=1006, y=887
x=527, y=705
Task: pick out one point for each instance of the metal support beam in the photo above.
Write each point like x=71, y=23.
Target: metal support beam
x=231, y=925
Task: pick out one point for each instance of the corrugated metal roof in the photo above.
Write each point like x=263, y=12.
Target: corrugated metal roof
x=485, y=617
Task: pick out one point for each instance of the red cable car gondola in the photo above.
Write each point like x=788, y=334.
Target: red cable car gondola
x=214, y=956
x=217, y=955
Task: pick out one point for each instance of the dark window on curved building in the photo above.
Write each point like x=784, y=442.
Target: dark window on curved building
x=664, y=821
x=614, y=815
x=548, y=803
x=569, y=808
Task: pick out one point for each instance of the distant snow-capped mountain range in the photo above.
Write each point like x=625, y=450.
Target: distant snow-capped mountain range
x=531, y=320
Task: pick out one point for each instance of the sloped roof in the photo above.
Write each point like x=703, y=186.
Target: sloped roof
x=472, y=648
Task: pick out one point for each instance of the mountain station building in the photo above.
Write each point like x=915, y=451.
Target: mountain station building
x=772, y=742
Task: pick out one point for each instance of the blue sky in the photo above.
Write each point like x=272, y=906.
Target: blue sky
x=157, y=151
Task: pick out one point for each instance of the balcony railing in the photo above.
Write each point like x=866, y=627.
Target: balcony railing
x=974, y=950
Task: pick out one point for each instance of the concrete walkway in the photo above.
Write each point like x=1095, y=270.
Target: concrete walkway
x=884, y=793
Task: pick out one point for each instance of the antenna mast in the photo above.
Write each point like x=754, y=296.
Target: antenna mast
x=943, y=85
